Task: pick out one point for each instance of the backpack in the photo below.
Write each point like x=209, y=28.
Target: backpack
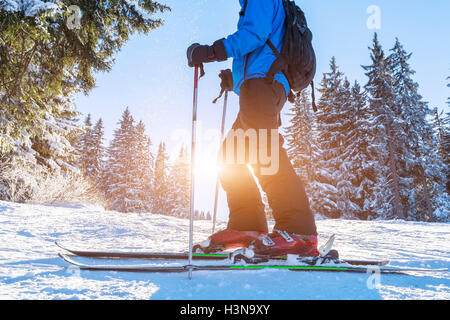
x=297, y=59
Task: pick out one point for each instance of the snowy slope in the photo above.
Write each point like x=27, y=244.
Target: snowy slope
x=30, y=269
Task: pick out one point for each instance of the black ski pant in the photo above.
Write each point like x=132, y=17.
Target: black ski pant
x=260, y=105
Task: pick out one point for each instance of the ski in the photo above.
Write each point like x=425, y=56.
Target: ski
x=231, y=267
x=143, y=255
x=324, y=250
x=185, y=256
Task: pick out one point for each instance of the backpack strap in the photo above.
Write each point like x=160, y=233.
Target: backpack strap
x=279, y=65
x=274, y=49
x=244, y=8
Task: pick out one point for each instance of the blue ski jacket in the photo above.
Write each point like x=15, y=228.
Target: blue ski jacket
x=252, y=57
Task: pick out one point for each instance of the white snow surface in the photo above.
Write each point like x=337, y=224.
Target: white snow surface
x=31, y=269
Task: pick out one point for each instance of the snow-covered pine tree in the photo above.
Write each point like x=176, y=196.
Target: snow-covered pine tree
x=356, y=181
x=434, y=175
x=418, y=163
x=440, y=129
x=90, y=151
x=118, y=180
x=360, y=158
x=344, y=131
x=446, y=159
x=44, y=63
x=98, y=151
x=328, y=122
x=300, y=137
x=180, y=184
x=382, y=102
x=344, y=136
x=445, y=142
x=142, y=168
x=61, y=126
x=85, y=145
x=441, y=126
x=161, y=197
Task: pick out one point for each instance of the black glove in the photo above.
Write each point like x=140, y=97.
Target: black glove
x=226, y=83
x=198, y=54
x=227, y=80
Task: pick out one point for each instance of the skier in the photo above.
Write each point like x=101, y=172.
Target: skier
x=261, y=99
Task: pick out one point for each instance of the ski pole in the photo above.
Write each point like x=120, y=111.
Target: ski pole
x=194, y=129
x=222, y=133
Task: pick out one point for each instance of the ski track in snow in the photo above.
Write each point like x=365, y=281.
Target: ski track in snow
x=30, y=268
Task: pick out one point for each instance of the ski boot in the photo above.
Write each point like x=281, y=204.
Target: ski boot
x=281, y=245
x=226, y=240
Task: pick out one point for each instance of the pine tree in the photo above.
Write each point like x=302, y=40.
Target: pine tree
x=85, y=145
x=445, y=142
x=118, y=177
x=90, y=149
x=142, y=166
x=180, y=184
x=418, y=163
x=344, y=155
x=382, y=102
x=44, y=63
x=440, y=129
x=161, y=198
x=324, y=189
x=441, y=126
x=51, y=143
x=346, y=160
x=410, y=117
x=301, y=139
x=357, y=181
x=128, y=173
x=97, y=152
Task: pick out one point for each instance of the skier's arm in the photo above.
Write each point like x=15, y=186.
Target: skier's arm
x=254, y=31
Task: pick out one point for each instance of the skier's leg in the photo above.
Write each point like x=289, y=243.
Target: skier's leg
x=287, y=197
x=243, y=195
x=247, y=220
x=261, y=103
x=244, y=198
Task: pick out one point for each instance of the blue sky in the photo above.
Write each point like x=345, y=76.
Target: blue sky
x=151, y=76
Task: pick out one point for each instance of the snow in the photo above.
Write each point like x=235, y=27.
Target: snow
x=30, y=268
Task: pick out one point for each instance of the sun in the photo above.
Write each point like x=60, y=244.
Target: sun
x=206, y=165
